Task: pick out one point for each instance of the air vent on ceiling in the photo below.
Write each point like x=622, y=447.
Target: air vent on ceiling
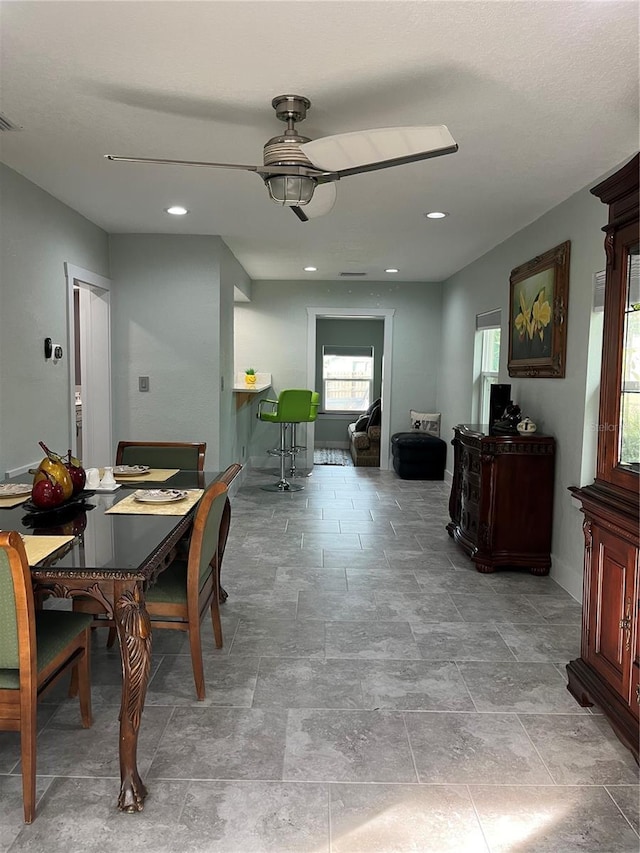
x=5, y=124
x=352, y=274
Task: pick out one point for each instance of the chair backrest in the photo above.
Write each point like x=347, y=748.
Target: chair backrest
x=315, y=402
x=17, y=610
x=206, y=531
x=188, y=456
x=294, y=406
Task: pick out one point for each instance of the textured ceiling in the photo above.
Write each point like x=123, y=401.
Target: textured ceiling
x=542, y=98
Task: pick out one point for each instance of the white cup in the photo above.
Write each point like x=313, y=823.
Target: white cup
x=108, y=479
x=93, y=478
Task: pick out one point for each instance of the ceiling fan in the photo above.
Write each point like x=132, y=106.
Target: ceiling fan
x=301, y=174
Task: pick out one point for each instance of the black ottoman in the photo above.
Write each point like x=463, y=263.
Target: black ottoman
x=418, y=456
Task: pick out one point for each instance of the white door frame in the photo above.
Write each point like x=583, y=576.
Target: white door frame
x=95, y=350
x=386, y=314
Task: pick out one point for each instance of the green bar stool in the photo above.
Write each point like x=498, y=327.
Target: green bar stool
x=297, y=448
x=292, y=406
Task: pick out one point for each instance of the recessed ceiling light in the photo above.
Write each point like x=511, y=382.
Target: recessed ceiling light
x=392, y=269
x=176, y=210
x=311, y=269
x=436, y=214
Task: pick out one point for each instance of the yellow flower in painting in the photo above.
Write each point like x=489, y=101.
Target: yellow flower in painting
x=541, y=313
x=523, y=319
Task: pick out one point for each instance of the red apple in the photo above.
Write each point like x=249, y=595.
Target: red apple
x=47, y=493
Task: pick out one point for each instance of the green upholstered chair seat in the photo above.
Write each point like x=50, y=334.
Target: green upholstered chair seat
x=55, y=629
x=171, y=586
x=292, y=406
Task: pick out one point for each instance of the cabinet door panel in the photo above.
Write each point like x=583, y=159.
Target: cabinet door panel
x=612, y=600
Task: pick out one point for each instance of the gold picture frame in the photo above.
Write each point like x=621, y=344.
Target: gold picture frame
x=538, y=301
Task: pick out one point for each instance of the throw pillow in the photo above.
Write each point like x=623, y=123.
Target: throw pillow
x=376, y=403
x=426, y=422
x=375, y=418
x=362, y=423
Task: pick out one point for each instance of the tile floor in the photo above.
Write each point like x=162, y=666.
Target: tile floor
x=375, y=694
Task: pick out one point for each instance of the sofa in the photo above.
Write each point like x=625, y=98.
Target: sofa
x=364, y=437
x=364, y=445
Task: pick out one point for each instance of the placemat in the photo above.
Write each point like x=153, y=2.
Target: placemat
x=39, y=547
x=130, y=506
x=153, y=475
x=7, y=503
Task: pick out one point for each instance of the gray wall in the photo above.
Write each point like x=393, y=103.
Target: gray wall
x=172, y=321
x=38, y=234
x=346, y=332
x=565, y=408
x=271, y=335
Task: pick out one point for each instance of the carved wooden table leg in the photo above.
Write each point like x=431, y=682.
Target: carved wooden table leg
x=134, y=633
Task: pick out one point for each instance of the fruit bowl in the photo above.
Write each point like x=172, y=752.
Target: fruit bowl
x=73, y=502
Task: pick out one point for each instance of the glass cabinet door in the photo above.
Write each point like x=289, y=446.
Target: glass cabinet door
x=629, y=424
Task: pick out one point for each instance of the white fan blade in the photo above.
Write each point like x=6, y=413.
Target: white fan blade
x=367, y=150
x=324, y=197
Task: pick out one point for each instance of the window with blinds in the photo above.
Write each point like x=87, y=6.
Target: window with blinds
x=347, y=378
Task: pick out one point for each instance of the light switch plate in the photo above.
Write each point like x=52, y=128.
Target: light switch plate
x=143, y=383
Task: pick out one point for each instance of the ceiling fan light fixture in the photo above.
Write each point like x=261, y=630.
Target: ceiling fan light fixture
x=290, y=190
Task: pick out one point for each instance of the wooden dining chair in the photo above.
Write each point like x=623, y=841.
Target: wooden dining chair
x=36, y=648
x=189, y=588
x=188, y=456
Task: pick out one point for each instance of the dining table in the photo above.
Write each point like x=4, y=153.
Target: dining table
x=111, y=547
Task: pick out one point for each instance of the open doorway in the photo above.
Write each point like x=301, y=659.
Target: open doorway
x=386, y=316
x=89, y=332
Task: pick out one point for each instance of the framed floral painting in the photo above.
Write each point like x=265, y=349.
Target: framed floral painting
x=538, y=300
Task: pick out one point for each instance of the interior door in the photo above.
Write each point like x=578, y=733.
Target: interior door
x=94, y=347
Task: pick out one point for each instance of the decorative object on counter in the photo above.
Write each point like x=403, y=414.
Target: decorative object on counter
x=508, y=423
x=250, y=376
x=538, y=300
x=499, y=397
x=108, y=481
x=526, y=426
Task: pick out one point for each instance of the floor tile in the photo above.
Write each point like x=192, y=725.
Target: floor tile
x=347, y=746
x=261, y=817
x=542, y=642
x=627, y=798
x=552, y=819
x=407, y=685
x=336, y=606
x=580, y=750
x=279, y=637
x=461, y=641
x=370, y=640
x=416, y=608
x=488, y=606
x=473, y=749
x=226, y=682
x=404, y=819
x=299, y=683
x=527, y=688
x=221, y=743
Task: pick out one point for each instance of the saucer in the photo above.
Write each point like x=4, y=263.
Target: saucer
x=111, y=488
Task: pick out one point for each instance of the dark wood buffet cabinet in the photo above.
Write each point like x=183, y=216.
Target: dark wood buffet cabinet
x=501, y=503
x=608, y=669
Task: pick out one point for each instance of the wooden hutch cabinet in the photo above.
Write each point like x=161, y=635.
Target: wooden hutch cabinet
x=501, y=502
x=608, y=669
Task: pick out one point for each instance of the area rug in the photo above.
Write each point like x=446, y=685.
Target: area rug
x=332, y=456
